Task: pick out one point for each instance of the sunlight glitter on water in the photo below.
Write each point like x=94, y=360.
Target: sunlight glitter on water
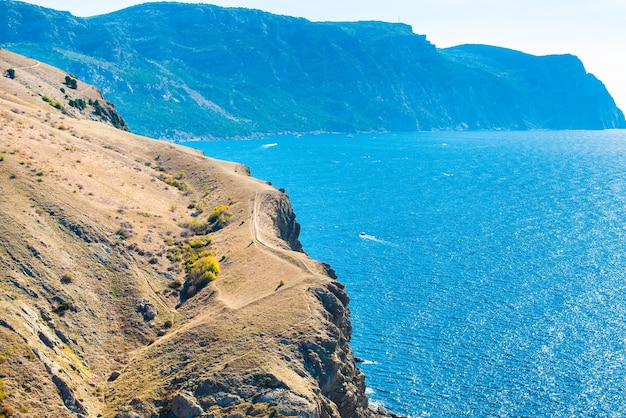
x=504, y=292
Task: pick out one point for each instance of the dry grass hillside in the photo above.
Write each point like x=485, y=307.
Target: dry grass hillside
x=142, y=279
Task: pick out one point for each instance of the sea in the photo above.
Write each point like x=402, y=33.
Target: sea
x=486, y=270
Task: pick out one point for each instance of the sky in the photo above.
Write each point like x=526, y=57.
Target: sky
x=593, y=30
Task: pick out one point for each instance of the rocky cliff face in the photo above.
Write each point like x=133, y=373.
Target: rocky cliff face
x=203, y=71
x=121, y=297
x=553, y=92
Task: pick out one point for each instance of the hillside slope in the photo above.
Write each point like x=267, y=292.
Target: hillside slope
x=200, y=71
x=110, y=300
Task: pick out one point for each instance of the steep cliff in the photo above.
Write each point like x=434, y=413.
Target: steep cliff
x=143, y=279
x=202, y=71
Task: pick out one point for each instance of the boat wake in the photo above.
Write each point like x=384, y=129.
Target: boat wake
x=266, y=146
x=363, y=235
x=362, y=361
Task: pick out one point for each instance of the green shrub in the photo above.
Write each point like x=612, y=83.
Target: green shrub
x=52, y=102
x=261, y=379
x=199, y=208
x=1, y=157
x=191, y=255
x=67, y=278
x=219, y=217
x=11, y=73
x=199, y=243
x=203, y=271
x=174, y=254
x=182, y=186
x=175, y=284
x=63, y=307
x=199, y=262
x=174, y=181
x=196, y=226
x=123, y=233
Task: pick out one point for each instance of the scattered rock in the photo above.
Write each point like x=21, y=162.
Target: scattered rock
x=67, y=394
x=25, y=289
x=148, y=310
x=62, y=336
x=290, y=404
x=226, y=399
x=34, y=251
x=125, y=413
x=46, y=339
x=79, y=230
x=184, y=406
x=114, y=376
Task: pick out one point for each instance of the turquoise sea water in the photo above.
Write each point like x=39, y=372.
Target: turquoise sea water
x=492, y=277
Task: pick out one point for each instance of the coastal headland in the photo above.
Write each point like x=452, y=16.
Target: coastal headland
x=141, y=278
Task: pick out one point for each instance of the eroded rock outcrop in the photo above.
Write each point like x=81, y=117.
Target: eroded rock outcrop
x=285, y=222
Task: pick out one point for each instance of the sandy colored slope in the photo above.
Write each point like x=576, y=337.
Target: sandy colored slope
x=88, y=233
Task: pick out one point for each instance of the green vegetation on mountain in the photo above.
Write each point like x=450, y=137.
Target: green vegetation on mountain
x=179, y=71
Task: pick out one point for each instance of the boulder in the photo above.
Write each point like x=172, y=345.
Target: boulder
x=184, y=406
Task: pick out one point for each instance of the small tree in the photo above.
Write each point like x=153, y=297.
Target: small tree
x=11, y=73
x=98, y=110
x=71, y=82
x=78, y=103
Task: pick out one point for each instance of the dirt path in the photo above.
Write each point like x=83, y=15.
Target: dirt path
x=268, y=340
x=85, y=89
x=296, y=258
x=299, y=259
x=36, y=64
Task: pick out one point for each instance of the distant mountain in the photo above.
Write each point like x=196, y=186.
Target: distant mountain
x=179, y=71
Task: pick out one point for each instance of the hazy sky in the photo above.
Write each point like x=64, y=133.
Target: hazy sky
x=594, y=30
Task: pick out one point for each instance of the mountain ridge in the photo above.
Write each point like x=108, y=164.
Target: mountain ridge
x=202, y=71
